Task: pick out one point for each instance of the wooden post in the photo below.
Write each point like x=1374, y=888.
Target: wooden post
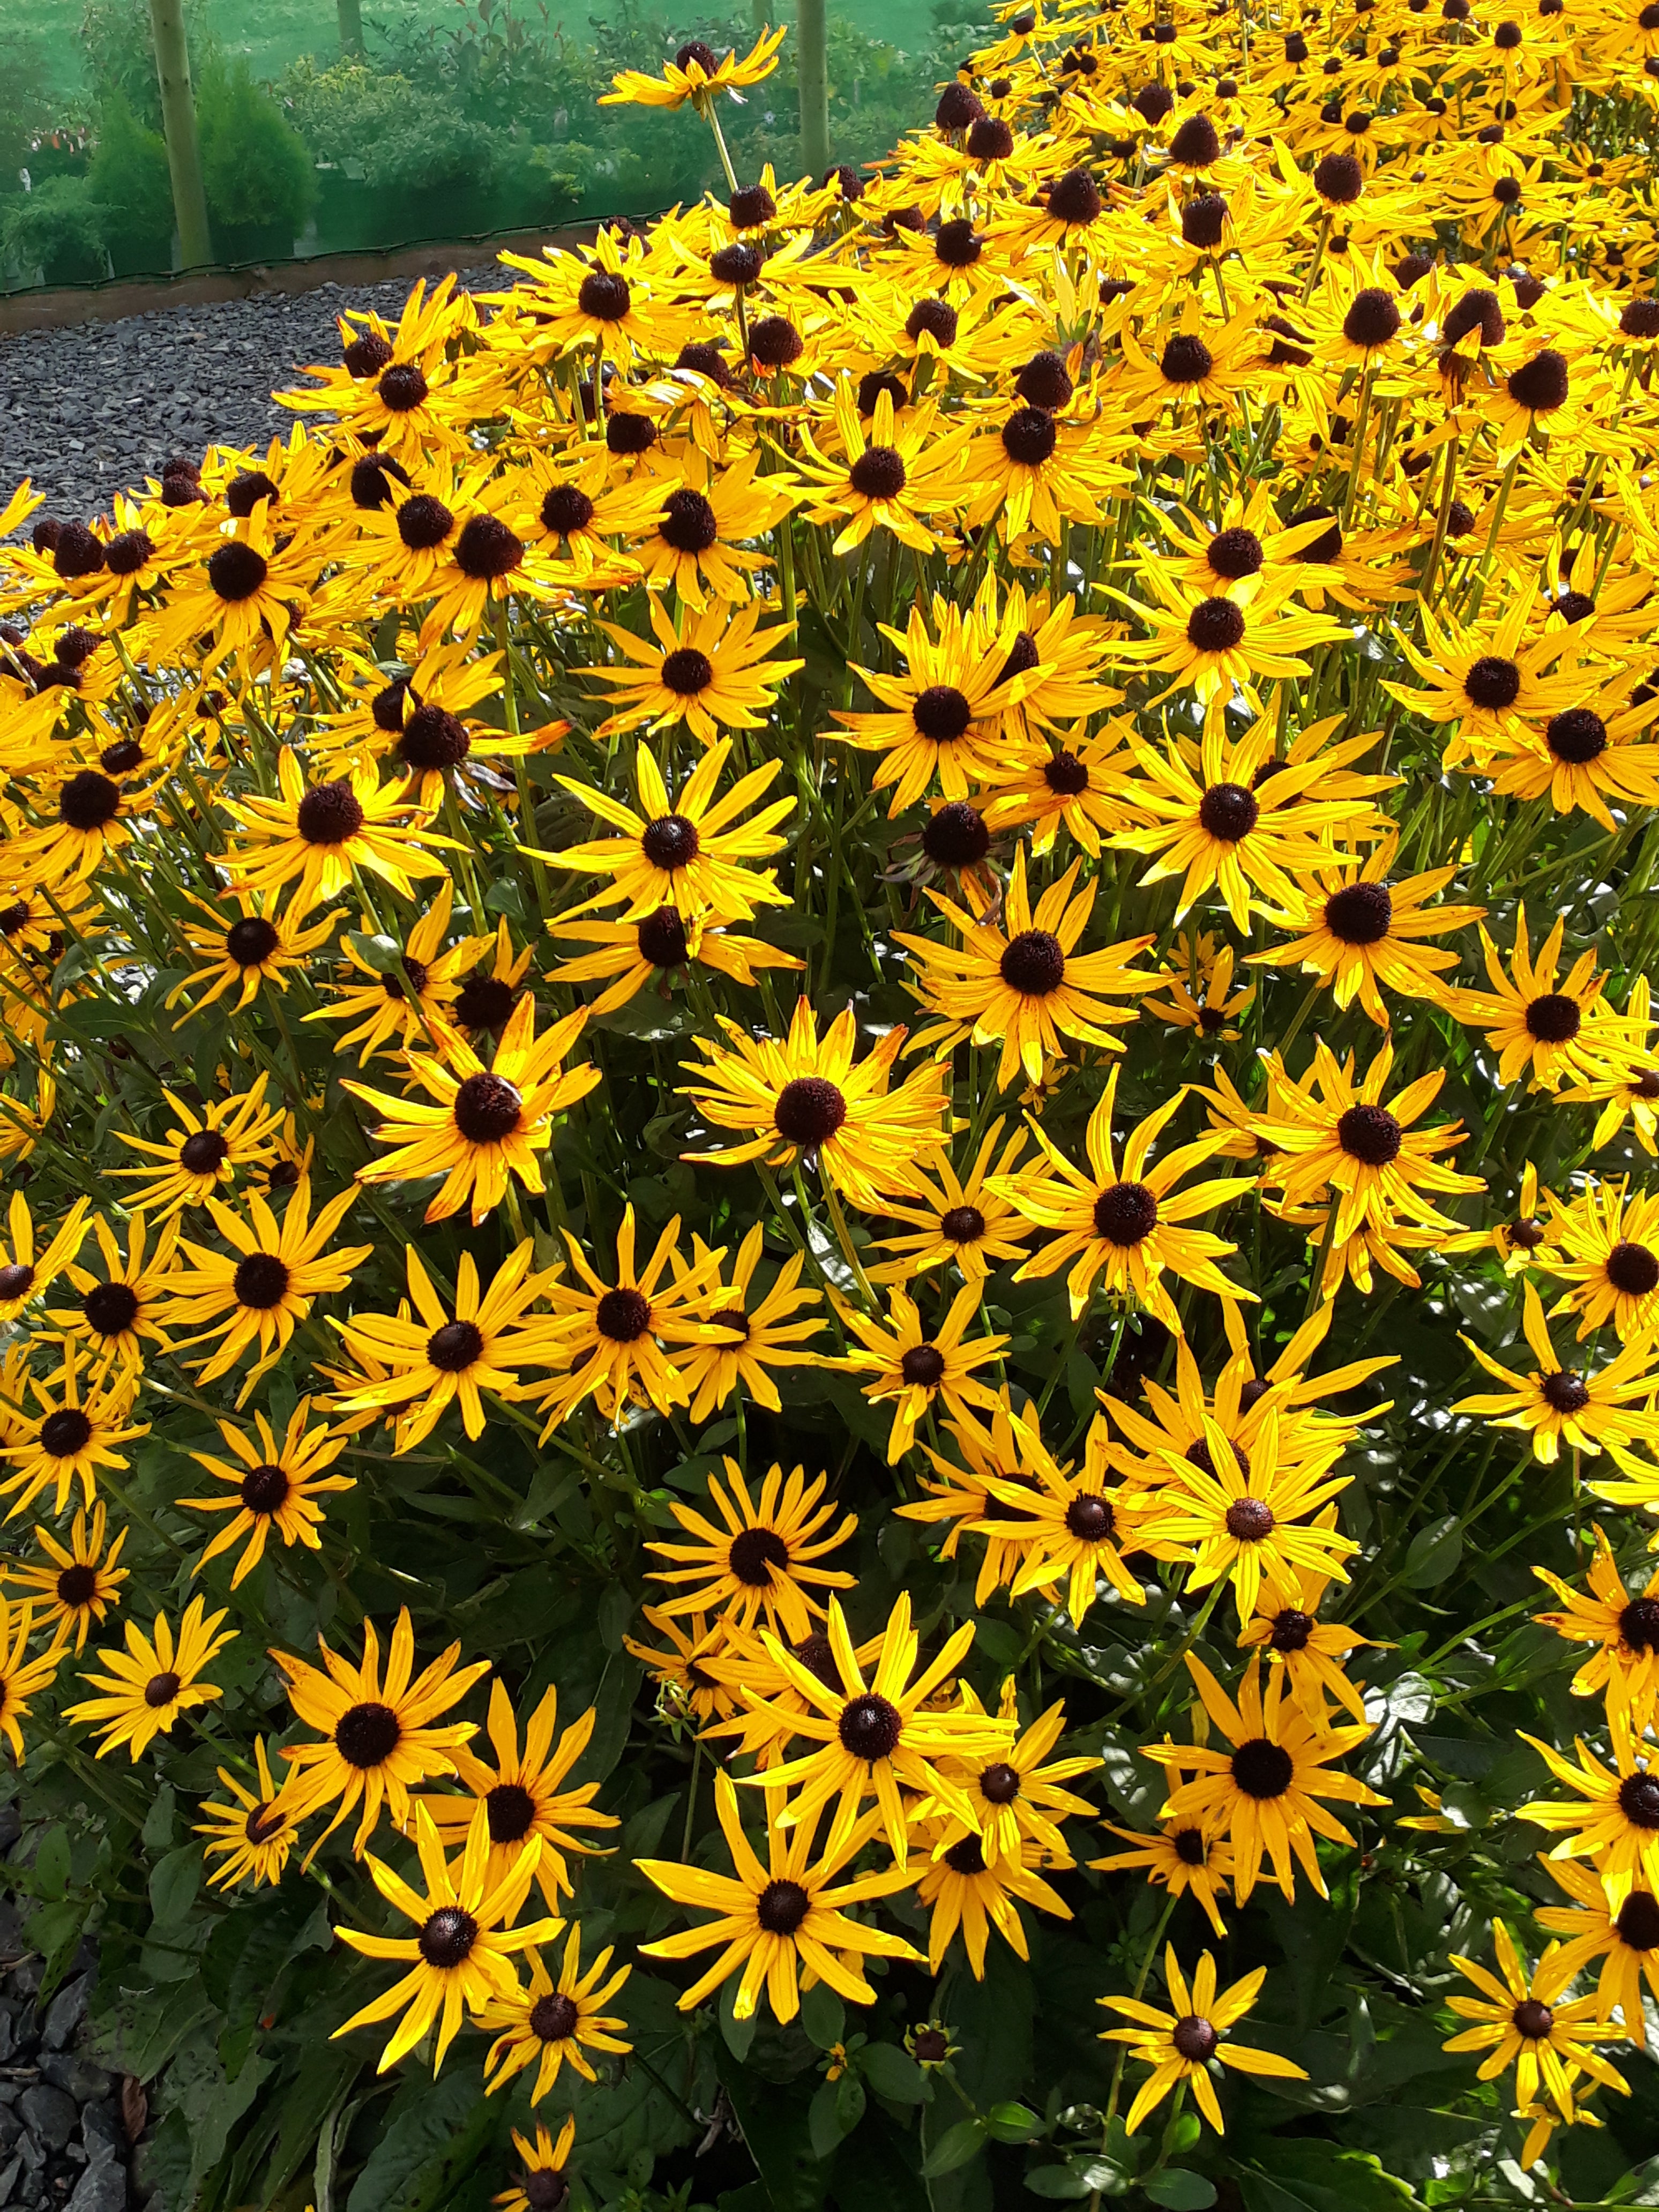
x=350, y=13
x=166, y=23
x=812, y=68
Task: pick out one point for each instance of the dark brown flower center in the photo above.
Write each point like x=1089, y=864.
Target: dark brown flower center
x=261, y=1281
x=1249, y=1520
x=670, y=842
x=448, y=1937
x=111, y=1309
x=510, y=1810
x=64, y=1433
x=332, y=814
x=624, y=1316
x=1555, y=1019
x=922, y=1366
x=1195, y=2038
x=1227, y=811
x=365, y=1735
x=487, y=1108
x=1370, y=1135
x=1261, y=1769
x=553, y=2018
x=1360, y=914
x=870, y=1727
x=1564, y=1392
x=265, y=1488
x=1125, y=1213
x=809, y=1111
x=754, y=1553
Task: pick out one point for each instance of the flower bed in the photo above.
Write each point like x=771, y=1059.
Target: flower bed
x=831, y=1314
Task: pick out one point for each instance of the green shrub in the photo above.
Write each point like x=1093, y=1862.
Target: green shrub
x=255, y=166
x=128, y=176
x=58, y=222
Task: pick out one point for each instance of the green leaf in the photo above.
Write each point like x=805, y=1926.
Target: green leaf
x=1012, y=2123
x=1179, y=2189
x=955, y=2147
x=893, y=2074
x=824, y=2016
x=51, y=1864
x=1434, y=1553
x=173, y=1884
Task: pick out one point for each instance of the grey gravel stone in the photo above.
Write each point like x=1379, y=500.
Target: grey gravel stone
x=65, y=2012
x=101, y=2188
x=87, y=411
x=50, y=2114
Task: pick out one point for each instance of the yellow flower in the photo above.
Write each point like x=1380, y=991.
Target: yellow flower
x=153, y=1681
x=457, y=1962
x=778, y=1920
x=1180, y=2045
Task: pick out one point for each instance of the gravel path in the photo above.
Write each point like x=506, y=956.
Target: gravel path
x=88, y=411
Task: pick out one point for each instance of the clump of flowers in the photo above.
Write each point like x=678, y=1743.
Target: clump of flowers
x=827, y=1102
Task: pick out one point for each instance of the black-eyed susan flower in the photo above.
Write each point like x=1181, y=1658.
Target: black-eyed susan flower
x=480, y=1127
x=808, y=1098
x=1604, y=1245
x=617, y=1342
x=690, y=852
x=1535, y=1017
x=1264, y=1786
x=785, y=1918
x=1019, y=1797
x=1362, y=933
x=964, y=1892
x=955, y=1218
x=1022, y=981
x=256, y=1295
x=117, y=1313
x=1064, y=1524
x=917, y=1367
x=1218, y=822
x=275, y=1485
x=711, y=668
x=875, y=1738
x=419, y=1361
x=550, y=2023
x=1627, y=1942
x=1614, y=1819
x=315, y=835
x=1525, y=2021
x=696, y=74
x=1242, y=1514
x=153, y=1681
x=81, y=1580
x=380, y=1735
x=1314, y=1653
x=525, y=1793
x=1128, y=1229
x=1624, y=1667
x=1181, y=2045
x=659, y=945
x=251, y=1837
x=204, y=1151
x=1590, y=1410
x=27, y=1273
x=750, y=1332
x=544, y=2182
x=79, y=1424
x=21, y=1677
x=458, y=1961
x=761, y=1561
x=1181, y=1857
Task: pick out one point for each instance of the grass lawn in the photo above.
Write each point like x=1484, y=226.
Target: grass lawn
x=41, y=35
